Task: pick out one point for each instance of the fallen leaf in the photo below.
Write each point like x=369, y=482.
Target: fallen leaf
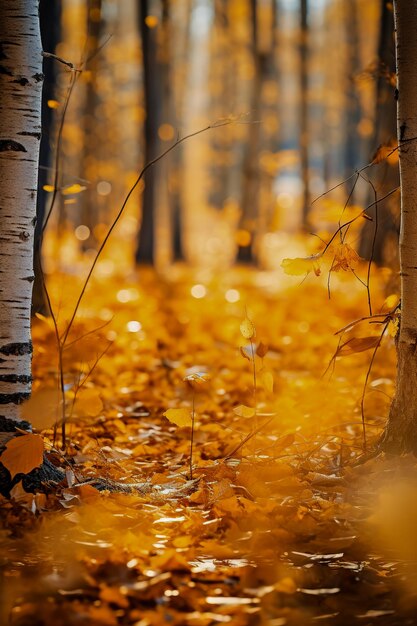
x=23, y=454
x=180, y=417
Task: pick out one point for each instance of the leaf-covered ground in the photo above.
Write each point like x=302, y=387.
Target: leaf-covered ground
x=279, y=524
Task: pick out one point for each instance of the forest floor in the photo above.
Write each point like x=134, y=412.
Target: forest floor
x=279, y=524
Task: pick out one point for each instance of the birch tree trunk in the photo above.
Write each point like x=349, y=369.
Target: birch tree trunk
x=401, y=430
x=20, y=123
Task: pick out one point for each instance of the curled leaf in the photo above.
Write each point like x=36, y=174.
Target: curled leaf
x=301, y=266
x=245, y=352
x=179, y=417
x=345, y=258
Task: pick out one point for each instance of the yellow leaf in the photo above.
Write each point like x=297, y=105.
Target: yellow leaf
x=53, y=104
x=72, y=189
x=23, y=454
x=392, y=301
x=267, y=381
x=394, y=327
x=247, y=328
x=180, y=417
x=151, y=21
x=244, y=411
x=43, y=409
x=300, y=266
x=48, y=188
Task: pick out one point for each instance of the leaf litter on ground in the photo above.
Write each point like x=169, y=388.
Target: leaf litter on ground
x=280, y=524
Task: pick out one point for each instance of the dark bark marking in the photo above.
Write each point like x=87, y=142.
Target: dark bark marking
x=15, y=378
x=26, y=134
x=30, y=279
x=13, y=398
x=17, y=349
x=5, y=71
x=9, y=426
x=38, y=77
x=8, y=145
x=21, y=81
x=24, y=235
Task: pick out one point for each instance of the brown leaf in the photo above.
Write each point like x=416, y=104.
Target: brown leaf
x=357, y=344
x=262, y=349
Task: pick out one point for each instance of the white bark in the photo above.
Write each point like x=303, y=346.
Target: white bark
x=20, y=128
x=401, y=433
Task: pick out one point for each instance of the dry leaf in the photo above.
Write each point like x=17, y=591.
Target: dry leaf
x=357, y=344
x=23, y=454
x=261, y=349
x=345, y=258
x=180, y=417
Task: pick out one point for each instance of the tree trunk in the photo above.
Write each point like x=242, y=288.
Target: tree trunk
x=145, y=253
x=91, y=157
x=20, y=130
x=304, y=138
x=50, y=24
x=386, y=172
x=401, y=430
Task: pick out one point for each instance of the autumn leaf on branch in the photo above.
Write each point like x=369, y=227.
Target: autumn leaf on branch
x=357, y=344
x=301, y=266
x=247, y=329
x=345, y=258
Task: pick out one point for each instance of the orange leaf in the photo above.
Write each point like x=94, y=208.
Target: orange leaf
x=23, y=454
